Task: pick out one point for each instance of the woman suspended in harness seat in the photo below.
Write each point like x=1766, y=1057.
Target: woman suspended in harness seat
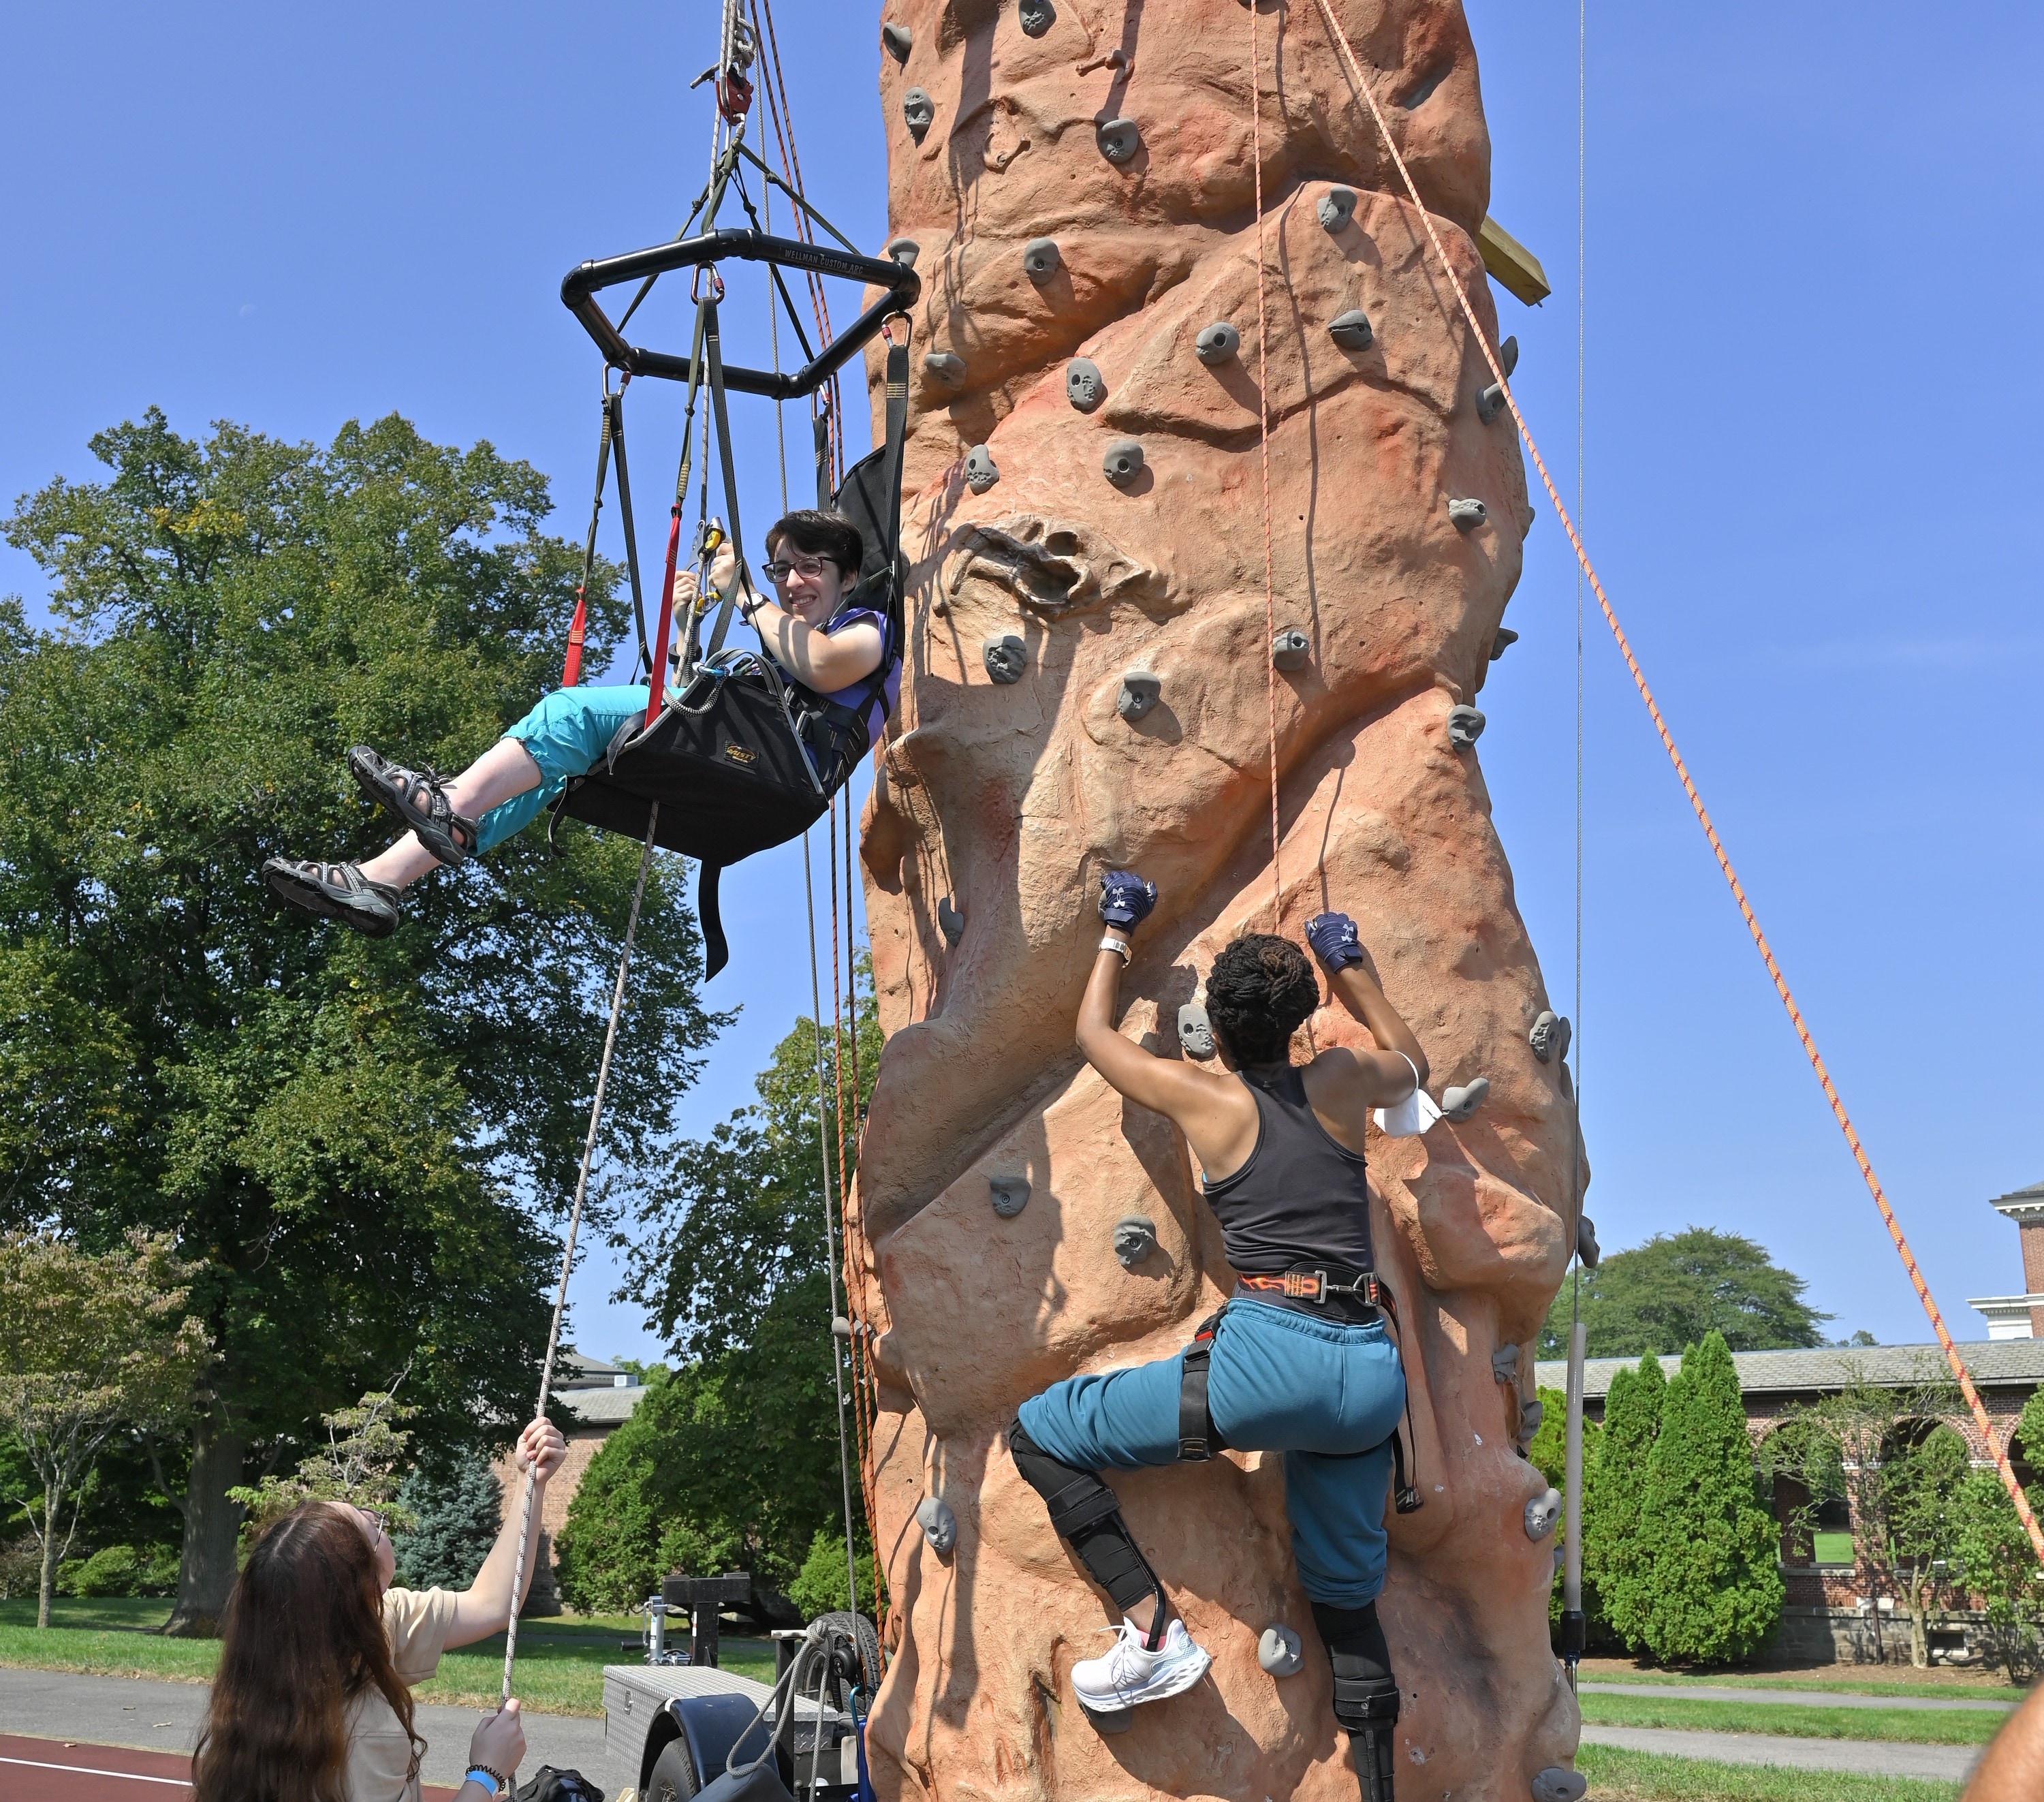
x=837, y=674
x=1297, y=1362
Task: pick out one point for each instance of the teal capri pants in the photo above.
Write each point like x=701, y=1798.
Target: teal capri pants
x=1326, y=1393
x=566, y=735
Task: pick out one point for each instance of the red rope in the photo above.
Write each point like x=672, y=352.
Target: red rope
x=1957, y=1364
x=1263, y=423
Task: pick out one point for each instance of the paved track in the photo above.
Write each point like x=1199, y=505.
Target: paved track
x=1879, y=1757
x=147, y=1717
x=1805, y=1698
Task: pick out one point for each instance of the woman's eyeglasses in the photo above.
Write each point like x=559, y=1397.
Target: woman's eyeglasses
x=780, y=569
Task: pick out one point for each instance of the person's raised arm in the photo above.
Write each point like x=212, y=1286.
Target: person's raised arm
x=485, y=1607
x=1385, y=1076
x=1155, y=1083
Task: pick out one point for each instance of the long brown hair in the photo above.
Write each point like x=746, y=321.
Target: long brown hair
x=302, y=1636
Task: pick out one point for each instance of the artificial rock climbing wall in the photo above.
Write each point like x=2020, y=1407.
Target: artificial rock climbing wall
x=1086, y=689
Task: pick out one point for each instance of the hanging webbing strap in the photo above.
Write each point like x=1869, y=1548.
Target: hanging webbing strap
x=578, y=626
x=656, y=674
x=713, y=353
x=820, y=421
x=631, y=529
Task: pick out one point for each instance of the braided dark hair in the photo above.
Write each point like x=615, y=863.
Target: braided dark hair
x=1260, y=990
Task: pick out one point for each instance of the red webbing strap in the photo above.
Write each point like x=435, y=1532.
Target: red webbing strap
x=1960, y=1374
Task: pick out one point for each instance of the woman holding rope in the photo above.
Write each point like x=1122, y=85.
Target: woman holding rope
x=312, y=1700
x=832, y=651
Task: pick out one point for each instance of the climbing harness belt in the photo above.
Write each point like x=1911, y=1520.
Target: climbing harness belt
x=1367, y=99
x=568, y=1245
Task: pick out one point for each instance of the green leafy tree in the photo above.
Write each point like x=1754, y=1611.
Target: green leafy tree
x=456, y=1513
x=1672, y=1290
x=1548, y=1451
x=89, y=1345
x=733, y=1458
x=1616, y=1487
x=358, y=1464
x=1710, y=1551
x=358, y=1143
x=1996, y=1561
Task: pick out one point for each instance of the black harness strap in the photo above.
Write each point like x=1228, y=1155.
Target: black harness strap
x=713, y=356
x=616, y=410
x=1198, y=1440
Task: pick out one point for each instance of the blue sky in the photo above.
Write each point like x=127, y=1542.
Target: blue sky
x=1810, y=469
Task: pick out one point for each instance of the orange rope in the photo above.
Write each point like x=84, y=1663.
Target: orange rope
x=1958, y=1368
x=1263, y=422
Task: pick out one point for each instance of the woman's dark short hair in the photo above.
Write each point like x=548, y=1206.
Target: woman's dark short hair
x=1260, y=990
x=815, y=532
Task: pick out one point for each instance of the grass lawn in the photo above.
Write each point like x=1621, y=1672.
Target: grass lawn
x=1949, y=1682
x=1958, y=1727
x=560, y=1661
x=1616, y=1775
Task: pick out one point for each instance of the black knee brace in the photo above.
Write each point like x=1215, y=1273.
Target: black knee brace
x=1085, y=1514
x=1366, y=1692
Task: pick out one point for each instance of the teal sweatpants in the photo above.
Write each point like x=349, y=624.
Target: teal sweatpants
x=566, y=735
x=1326, y=1393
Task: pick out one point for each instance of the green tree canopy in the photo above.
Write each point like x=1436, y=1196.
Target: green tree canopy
x=1615, y=1486
x=1672, y=1290
x=1710, y=1552
x=734, y=1456
x=357, y=1142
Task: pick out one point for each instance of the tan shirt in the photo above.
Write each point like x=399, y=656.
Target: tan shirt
x=416, y=1623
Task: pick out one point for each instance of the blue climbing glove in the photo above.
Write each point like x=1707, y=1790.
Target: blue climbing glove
x=1335, y=940
x=1126, y=897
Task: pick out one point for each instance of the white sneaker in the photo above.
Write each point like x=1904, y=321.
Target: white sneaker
x=1130, y=1673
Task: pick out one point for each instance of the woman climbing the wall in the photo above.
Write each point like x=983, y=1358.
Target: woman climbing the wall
x=835, y=654
x=1298, y=1361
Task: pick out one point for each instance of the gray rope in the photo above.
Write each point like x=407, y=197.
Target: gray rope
x=568, y=1250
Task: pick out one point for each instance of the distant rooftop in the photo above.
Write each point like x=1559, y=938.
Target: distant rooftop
x=604, y=1408
x=572, y=1370
x=1994, y=1363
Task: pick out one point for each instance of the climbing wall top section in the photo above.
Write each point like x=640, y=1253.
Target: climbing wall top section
x=1018, y=119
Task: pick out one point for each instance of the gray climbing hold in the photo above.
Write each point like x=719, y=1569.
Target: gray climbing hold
x=1541, y=1512
x=1563, y=1034
x=1083, y=386
x=1124, y=461
x=1135, y=1238
x=1465, y=1099
x=940, y=1525
x=1279, y=1651
x=1502, y=640
x=951, y=922
x=945, y=366
x=1140, y=690
x=898, y=40
x=1490, y=403
x=1352, y=330
x=1217, y=343
x=1465, y=726
x=1195, y=1031
x=919, y=112
x=1336, y=207
x=1119, y=139
x=1508, y=356
x=1531, y=1415
x=981, y=473
x=1038, y=17
x=1467, y=515
x=1010, y=1195
x=1006, y=657
x=1290, y=648
x=1040, y=258
x=1586, y=1245
x=904, y=252
x=840, y=1327
x=1559, y=1783
x=1542, y=1037
x=1504, y=1364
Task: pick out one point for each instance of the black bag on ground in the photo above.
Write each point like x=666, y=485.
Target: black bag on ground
x=550, y=1785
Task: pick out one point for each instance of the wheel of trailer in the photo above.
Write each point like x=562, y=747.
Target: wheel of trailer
x=843, y=1632
x=674, y=1778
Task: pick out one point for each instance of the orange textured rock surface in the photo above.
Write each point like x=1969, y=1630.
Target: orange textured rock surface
x=1007, y=800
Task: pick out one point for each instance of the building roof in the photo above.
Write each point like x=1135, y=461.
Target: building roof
x=572, y=1370
x=2019, y=1201
x=1993, y=1362
x=603, y=1407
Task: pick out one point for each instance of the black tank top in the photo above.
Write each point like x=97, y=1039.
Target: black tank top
x=1300, y=1197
